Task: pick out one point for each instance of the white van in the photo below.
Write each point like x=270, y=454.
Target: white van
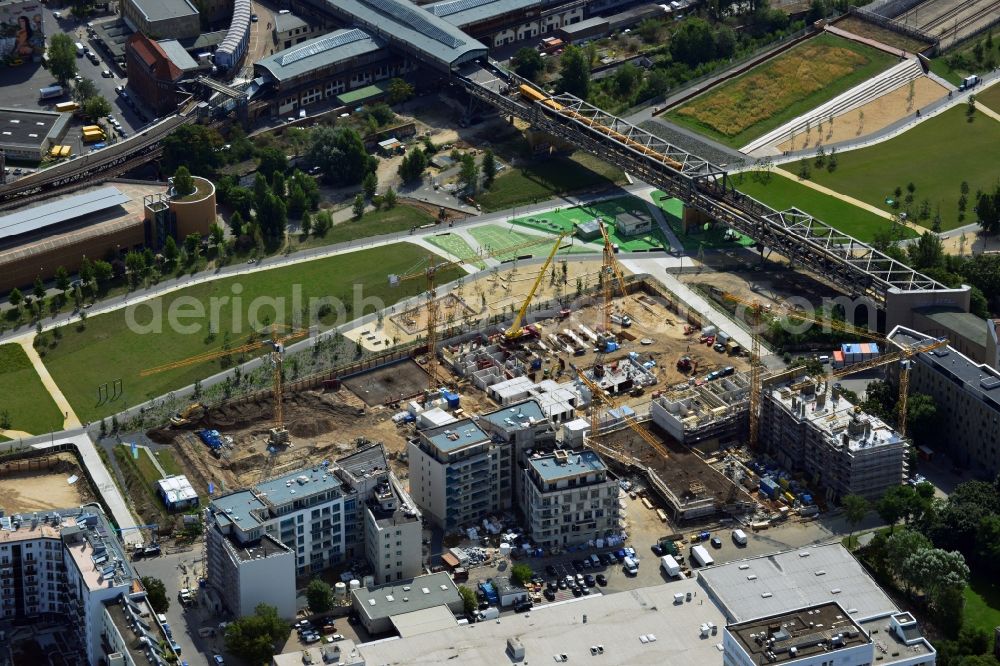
x=739, y=537
x=490, y=613
x=80, y=49
x=595, y=561
x=630, y=566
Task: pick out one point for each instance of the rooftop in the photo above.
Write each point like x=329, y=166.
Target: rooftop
x=773, y=584
x=977, y=379
x=644, y=626
x=285, y=22
x=34, y=218
x=364, y=462
x=162, y=10
x=262, y=548
x=406, y=596
x=176, y=489
x=24, y=127
x=966, y=324
x=462, y=13
x=799, y=634
x=566, y=464
x=178, y=55
x=423, y=621
x=316, y=54
x=516, y=417
x=455, y=436
x=298, y=485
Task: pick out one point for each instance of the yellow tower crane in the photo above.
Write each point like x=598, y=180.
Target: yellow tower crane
x=903, y=356
x=610, y=267
x=516, y=330
x=278, y=433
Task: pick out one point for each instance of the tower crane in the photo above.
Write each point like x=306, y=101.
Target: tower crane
x=429, y=273
x=516, y=331
x=276, y=343
x=903, y=356
x=609, y=267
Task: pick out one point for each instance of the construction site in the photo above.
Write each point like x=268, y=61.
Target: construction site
x=43, y=483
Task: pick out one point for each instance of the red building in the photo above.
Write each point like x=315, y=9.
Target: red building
x=152, y=76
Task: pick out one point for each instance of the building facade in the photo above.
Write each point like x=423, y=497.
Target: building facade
x=393, y=533
x=251, y=572
x=839, y=448
x=526, y=430
x=569, y=498
x=152, y=75
x=459, y=474
x=967, y=395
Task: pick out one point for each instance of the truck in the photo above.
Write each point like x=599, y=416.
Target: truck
x=67, y=107
x=93, y=137
x=701, y=556
x=739, y=537
x=670, y=566
x=490, y=613
x=622, y=320
x=969, y=82
x=630, y=566
x=50, y=92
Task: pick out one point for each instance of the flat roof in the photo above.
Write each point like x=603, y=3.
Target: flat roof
x=462, y=13
x=315, y=54
x=163, y=10
x=519, y=416
x=966, y=324
x=977, y=378
x=264, y=547
x=178, y=55
x=359, y=95
x=27, y=128
x=298, y=484
x=423, y=621
x=406, y=596
x=799, y=634
x=772, y=584
x=34, y=218
x=587, y=24
x=550, y=467
x=643, y=626
x=239, y=508
x=177, y=489
x=283, y=22
x=455, y=436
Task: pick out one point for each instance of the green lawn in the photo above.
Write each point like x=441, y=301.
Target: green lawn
x=375, y=223
x=982, y=603
x=712, y=238
x=543, y=179
x=456, y=246
x=566, y=219
x=936, y=156
x=108, y=349
x=494, y=236
x=27, y=403
x=150, y=475
x=961, y=62
x=990, y=97
x=781, y=193
x=781, y=89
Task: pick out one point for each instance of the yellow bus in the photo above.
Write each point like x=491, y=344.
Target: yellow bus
x=93, y=137
x=66, y=107
x=92, y=128
x=54, y=152
x=66, y=150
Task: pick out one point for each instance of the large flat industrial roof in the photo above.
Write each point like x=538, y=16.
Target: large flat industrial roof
x=20, y=127
x=34, y=218
x=964, y=323
x=462, y=13
x=406, y=596
x=163, y=10
x=412, y=28
x=798, y=634
x=643, y=626
x=773, y=584
x=315, y=54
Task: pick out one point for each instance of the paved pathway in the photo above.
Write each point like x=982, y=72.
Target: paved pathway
x=70, y=419
x=15, y=434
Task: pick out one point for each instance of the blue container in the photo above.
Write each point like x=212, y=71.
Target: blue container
x=452, y=399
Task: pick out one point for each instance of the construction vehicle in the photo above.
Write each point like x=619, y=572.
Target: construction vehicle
x=609, y=269
x=146, y=550
x=183, y=417
x=516, y=330
x=429, y=273
x=757, y=312
x=278, y=434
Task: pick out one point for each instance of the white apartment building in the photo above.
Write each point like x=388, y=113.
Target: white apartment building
x=459, y=474
x=526, y=429
x=256, y=571
x=393, y=533
x=838, y=447
x=569, y=498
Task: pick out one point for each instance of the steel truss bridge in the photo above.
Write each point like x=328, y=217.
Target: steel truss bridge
x=846, y=262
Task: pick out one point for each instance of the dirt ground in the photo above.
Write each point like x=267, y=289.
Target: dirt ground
x=871, y=117
x=974, y=243
x=862, y=28
x=767, y=287
x=390, y=383
x=42, y=485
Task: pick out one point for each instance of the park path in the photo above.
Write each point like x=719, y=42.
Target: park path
x=15, y=434
x=70, y=419
x=846, y=198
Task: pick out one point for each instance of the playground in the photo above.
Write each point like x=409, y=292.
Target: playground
x=492, y=236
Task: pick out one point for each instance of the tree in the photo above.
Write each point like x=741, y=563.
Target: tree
x=196, y=147
x=469, y=602
x=183, y=182
x=468, y=174
x=96, y=107
x=895, y=504
x=319, y=595
x=38, y=288
x=156, y=592
x=271, y=161
x=297, y=201
x=340, y=153
x=528, y=63
x=306, y=224
x=922, y=418
x=725, y=42
x=389, y=199
x=901, y=545
x=625, y=80
x=489, y=167
x=62, y=57
x=855, y=508
x=322, y=223
x=927, y=252
x=87, y=271
x=521, y=573
x=15, y=297
x=217, y=235
x=62, y=279
x=84, y=90
x=253, y=637
x=192, y=243
x=359, y=207
x=934, y=570
x=135, y=266
x=693, y=43
x=413, y=165
x=370, y=185
x=103, y=271
x=988, y=211
x=399, y=91
x=574, y=71
x=170, y=251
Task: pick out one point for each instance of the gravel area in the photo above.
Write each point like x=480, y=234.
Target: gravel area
x=716, y=154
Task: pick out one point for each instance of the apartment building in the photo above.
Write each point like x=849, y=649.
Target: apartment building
x=838, y=447
x=309, y=520
x=69, y=564
x=967, y=394
x=569, y=498
x=526, y=429
x=459, y=474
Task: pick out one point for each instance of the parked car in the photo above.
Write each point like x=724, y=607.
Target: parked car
x=253, y=18
x=716, y=542
x=218, y=660
x=550, y=570
x=522, y=606
x=589, y=580
x=657, y=549
x=107, y=74
x=601, y=579
x=550, y=594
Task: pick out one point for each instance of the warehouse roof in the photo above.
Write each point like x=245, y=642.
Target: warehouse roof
x=772, y=584
x=315, y=54
x=163, y=10
x=406, y=596
x=34, y=218
x=462, y=13
x=966, y=324
x=418, y=31
x=29, y=128
x=178, y=55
